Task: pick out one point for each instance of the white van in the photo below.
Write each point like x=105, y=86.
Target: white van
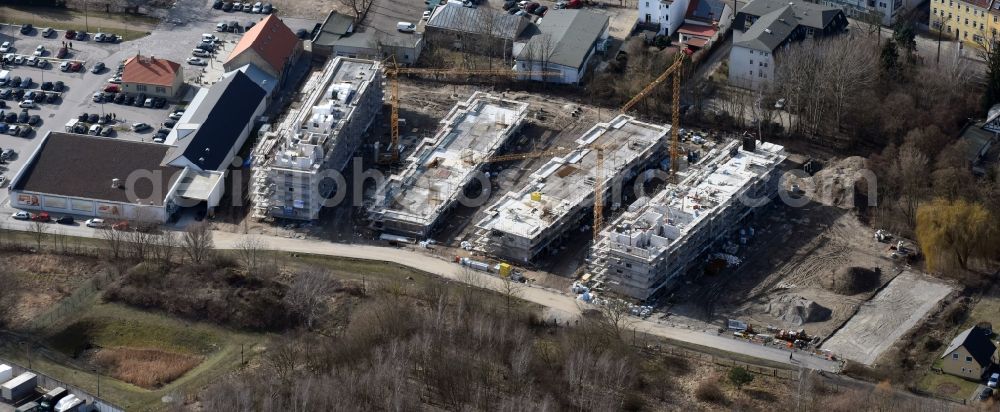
x=4, y=76
x=406, y=27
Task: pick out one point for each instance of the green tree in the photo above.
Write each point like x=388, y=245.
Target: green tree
x=954, y=233
x=904, y=34
x=889, y=60
x=739, y=376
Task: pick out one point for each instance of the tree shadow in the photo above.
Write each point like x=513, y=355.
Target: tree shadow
x=761, y=395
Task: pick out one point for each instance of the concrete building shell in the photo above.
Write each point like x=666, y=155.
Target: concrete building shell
x=650, y=246
x=558, y=199
x=292, y=163
x=413, y=201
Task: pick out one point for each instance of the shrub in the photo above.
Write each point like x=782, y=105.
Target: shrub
x=709, y=391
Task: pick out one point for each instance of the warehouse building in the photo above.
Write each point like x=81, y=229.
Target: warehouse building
x=413, y=201
x=558, y=201
x=658, y=239
x=291, y=162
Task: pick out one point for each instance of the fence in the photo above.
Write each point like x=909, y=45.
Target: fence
x=49, y=383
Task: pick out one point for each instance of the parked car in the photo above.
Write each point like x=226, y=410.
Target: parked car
x=41, y=217
x=39, y=50
x=47, y=32
x=75, y=67
x=14, y=130
x=70, y=34
x=26, y=83
x=34, y=119
x=257, y=7
x=27, y=104
x=10, y=118
x=267, y=8
x=176, y=115
x=237, y=6
x=46, y=86
x=120, y=98
x=52, y=97
x=31, y=61
x=196, y=61
x=122, y=226
x=6, y=47
x=94, y=130
x=159, y=102
x=26, y=29
x=8, y=154
x=25, y=131
x=402, y=26
x=99, y=37
x=221, y=27
x=19, y=59
x=217, y=4
x=23, y=116
x=540, y=11
x=169, y=124
x=81, y=35
x=65, y=220
x=21, y=215
x=129, y=100
x=139, y=127
x=58, y=86
x=3, y=129
x=160, y=138
x=108, y=131
x=530, y=7
x=228, y=6
x=64, y=66
x=112, y=88
x=986, y=393
x=5, y=94
x=61, y=54
x=992, y=383
x=95, y=223
x=303, y=34
x=200, y=53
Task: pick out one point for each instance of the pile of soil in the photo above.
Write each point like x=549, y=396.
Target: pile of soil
x=798, y=310
x=852, y=280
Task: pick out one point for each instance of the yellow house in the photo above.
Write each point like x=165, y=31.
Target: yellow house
x=972, y=21
x=970, y=354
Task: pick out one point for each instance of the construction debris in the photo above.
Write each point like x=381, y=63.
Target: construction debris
x=797, y=310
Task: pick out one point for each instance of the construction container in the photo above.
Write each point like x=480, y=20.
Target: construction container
x=6, y=373
x=504, y=269
x=19, y=388
x=536, y=196
x=474, y=264
x=55, y=395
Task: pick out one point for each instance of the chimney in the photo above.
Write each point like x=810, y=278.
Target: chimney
x=116, y=183
x=749, y=143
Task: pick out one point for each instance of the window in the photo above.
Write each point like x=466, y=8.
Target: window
x=954, y=356
x=973, y=25
x=977, y=38
x=628, y=265
x=140, y=87
x=751, y=62
x=751, y=73
x=968, y=359
x=161, y=89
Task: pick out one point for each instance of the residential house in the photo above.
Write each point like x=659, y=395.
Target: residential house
x=970, y=354
x=270, y=45
x=152, y=76
x=665, y=16
x=762, y=27
x=980, y=138
x=887, y=11
x=971, y=21
x=567, y=41
x=704, y=21
x=479, y=30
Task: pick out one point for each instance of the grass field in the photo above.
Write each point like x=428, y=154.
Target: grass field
x=130, y=27
x=948, y=386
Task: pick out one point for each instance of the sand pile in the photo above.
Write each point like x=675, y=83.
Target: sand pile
x=834, y=185
x=797, y=310
x=852, y=280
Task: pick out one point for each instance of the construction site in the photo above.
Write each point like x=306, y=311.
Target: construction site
x=440, y=168
x=690, y=227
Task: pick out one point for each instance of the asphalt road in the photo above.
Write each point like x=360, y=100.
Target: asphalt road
x=561, y=305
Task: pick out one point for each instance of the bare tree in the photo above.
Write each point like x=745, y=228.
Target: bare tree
x=359, y=8
x=115, y=241
x=39, y=230
x=197, y=242
x=614, y=319
x=308, y=293
x=250, y=252
x=511, y=291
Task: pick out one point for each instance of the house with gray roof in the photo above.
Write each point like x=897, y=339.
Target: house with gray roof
x=478, y=30
x=566, y=42
x=763, y=27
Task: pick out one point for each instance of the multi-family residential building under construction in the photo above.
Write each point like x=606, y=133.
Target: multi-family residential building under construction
x=292, y=163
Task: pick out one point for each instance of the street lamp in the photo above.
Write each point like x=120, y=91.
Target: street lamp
x=940, y=30
x=98, y=373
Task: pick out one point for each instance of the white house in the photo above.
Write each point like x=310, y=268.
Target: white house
x=762, y=27
x=568, y=41
x=669, y=15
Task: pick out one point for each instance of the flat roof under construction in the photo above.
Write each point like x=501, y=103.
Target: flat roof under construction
x=442, y=165
x=566, y=182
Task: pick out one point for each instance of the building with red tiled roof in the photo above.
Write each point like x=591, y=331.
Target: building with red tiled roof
x=270, y=45
x=152, y=76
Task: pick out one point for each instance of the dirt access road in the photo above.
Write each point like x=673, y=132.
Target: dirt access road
x=561, y=306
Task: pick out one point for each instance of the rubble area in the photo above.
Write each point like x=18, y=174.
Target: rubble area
x=797, y=310
x=834, y=184
x=852, y=280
